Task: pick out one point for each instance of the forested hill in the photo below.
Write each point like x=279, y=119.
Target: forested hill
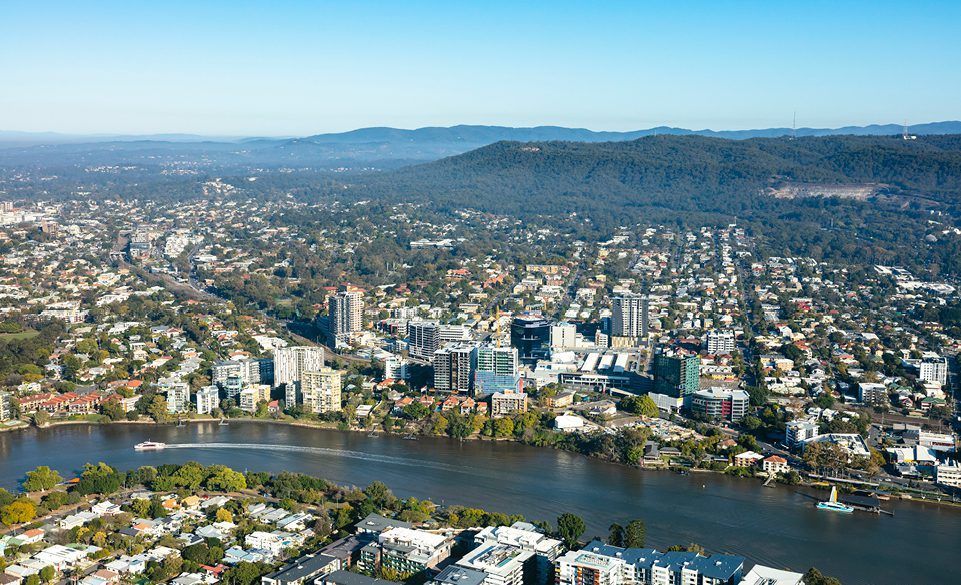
x=676, y=172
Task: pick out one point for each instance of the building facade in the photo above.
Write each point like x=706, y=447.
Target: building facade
x=497, y=370
x=250, y=371
x=232, y=387
x=948, y=474
x=629, y=316
x=531, y=335
x=872, y=393
x=291, y=362
x=503, y=564
x=720, y=342
x=178, y=397
x=798, y=432
x=345, y=312
x=508, y=403
x=933, y=368
x=720, y=404
x=454, y=368
x=676, y=375
x=208, y=398
x=563, y=336
x=395, y=368
x=6, y=406
x=253, y=395
x=405, y=551
x=423, y=339
x=321, y=390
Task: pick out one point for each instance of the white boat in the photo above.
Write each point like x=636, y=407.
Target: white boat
x=149, y=446
x=833, y=505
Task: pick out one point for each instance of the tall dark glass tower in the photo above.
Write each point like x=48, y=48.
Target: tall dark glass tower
x=531, y=335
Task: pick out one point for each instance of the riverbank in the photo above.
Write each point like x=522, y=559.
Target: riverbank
x=909, y=495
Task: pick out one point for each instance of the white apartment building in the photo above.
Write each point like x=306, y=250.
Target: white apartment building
x=602, y=564
x=249, y=371
x=563, y=336
x=504, y=564
x=524, y=536
x=221, y=371
x=798, y=432
x=583, y=567
x=720, y=342
x=933, y=368
x=178, y=396
x=872, y=393
x=321, y=390
x=208, y=398
x=454, y=334
x=68, y=311
x=406, y=550
x=395, y=368
x=948, y=474
x=291, y=362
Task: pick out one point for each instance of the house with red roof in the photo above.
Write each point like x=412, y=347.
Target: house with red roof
x=775, y=464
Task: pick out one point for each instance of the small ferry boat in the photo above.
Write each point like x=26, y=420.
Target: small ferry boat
x=833, y=505
x=149, y=446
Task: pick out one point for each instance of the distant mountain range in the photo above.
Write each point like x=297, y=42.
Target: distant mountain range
x=368, y=147
x=489, y=134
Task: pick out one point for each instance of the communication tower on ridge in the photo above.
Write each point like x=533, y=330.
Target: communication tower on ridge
x=905, y=135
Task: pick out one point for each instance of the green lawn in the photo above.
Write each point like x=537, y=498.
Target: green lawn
x=26, y=334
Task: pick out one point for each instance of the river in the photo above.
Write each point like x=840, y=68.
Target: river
x=774, y=526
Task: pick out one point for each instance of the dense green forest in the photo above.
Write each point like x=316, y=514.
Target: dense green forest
x=692, y=173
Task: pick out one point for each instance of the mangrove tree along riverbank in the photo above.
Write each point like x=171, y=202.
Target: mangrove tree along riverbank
x=777, y=527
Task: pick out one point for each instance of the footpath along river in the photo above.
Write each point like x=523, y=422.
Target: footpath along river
x=775, y=526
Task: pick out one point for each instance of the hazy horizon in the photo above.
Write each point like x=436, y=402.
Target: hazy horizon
x=40, y=133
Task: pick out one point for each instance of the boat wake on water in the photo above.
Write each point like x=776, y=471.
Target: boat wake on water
x=324, y=451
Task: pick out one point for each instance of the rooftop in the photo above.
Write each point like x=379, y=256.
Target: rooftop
x=348, y=578
x=302, y=568
x=378, y=523
x=457, y=575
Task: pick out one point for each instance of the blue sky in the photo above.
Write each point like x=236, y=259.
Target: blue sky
x=297, y=68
